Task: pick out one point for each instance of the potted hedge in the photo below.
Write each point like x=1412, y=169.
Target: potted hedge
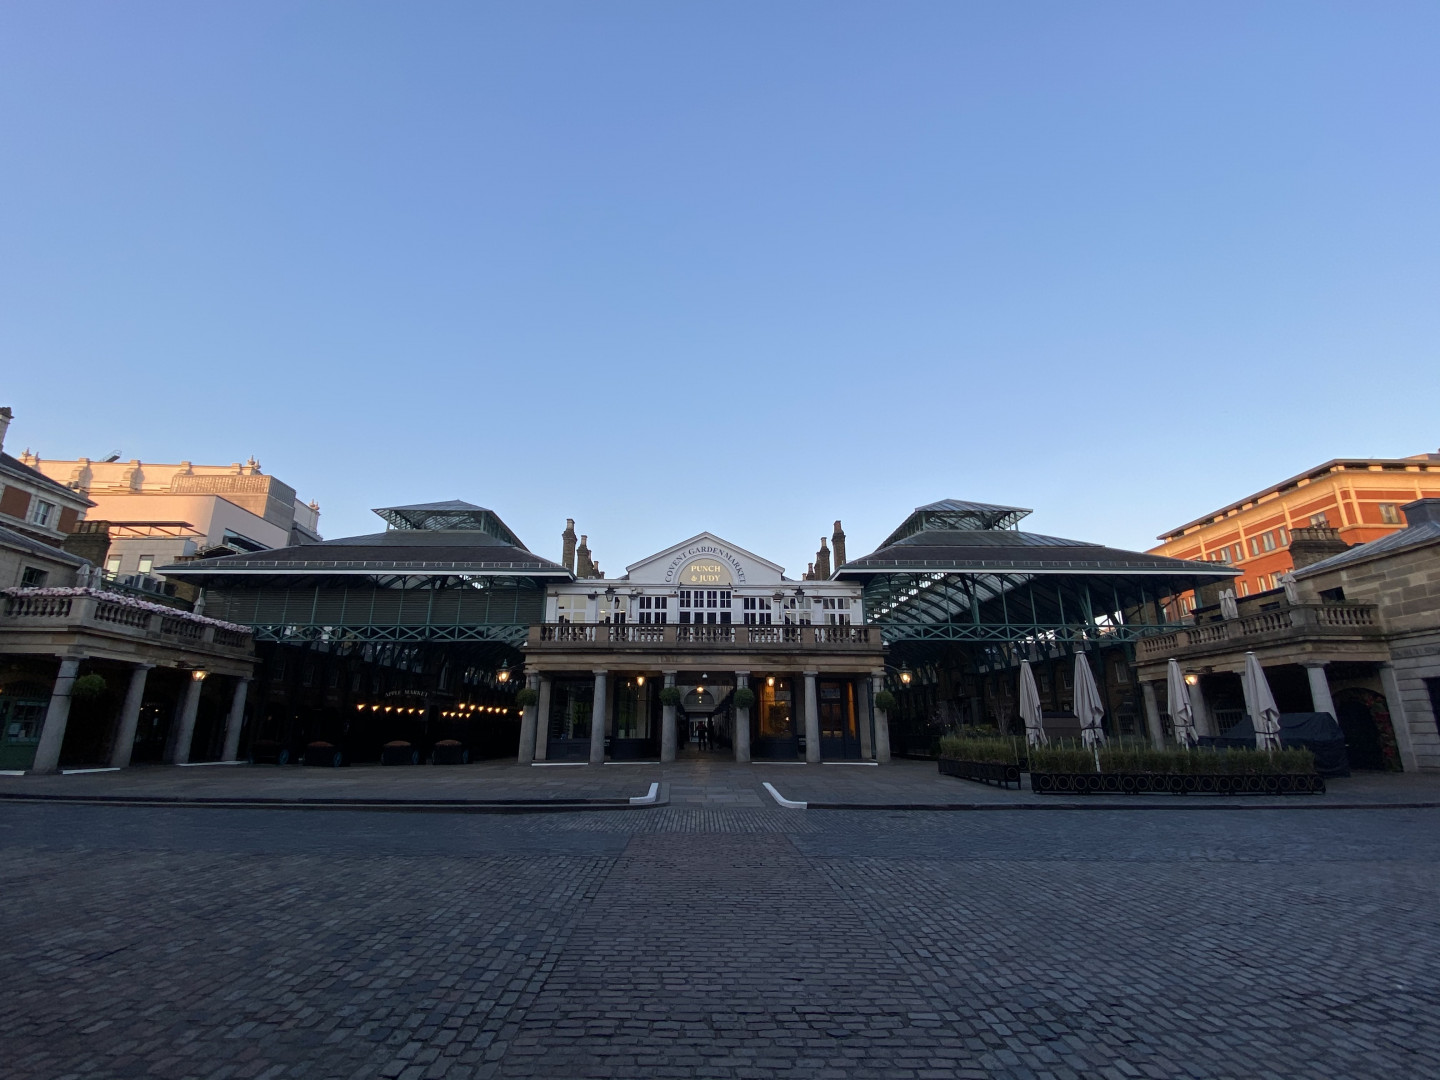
x=449, y=752
x=1140, y=770
x=88, y=687
x=885, y=701
x=527, y=697
x=988, y=759
x=743, y=697
x=399, y=752
x=671, y=695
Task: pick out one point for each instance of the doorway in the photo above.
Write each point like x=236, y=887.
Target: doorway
x=773, y=736
x=839, y=736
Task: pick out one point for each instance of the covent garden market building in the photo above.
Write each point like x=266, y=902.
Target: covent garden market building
x=433, y=629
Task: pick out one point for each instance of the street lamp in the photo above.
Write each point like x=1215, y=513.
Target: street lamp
x=905, y=675
x=503, y=675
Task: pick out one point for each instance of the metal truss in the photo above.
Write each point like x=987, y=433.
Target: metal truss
x=1020, y=633
x=513, y=634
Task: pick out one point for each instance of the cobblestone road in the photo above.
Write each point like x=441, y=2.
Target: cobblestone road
x=718, y=942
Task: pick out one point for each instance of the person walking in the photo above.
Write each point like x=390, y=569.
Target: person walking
x=703, y=734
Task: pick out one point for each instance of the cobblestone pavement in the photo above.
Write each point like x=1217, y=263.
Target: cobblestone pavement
x=704, y=941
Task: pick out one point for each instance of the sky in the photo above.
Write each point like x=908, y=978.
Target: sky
x=738, y=267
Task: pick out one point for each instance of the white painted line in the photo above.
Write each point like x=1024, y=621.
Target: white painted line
x=77, y=772
x=632, y=763
x=555, y=764
x=849, y=763
x=647, y=799
x=12, y=772
x=197, y=764
x=789, y=804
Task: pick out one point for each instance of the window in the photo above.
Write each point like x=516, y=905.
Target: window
x=1332, y=596
x=1254, y=545
x=1284, y=536
x=112, y=564
x=836, y=610
x=756, y=610
x=145, y=563
x=1267, y=541
x=653, y=609
x=1319, y=521
x=43, y=513
x=1244, y=588
x=1389, y=513
x=32, y=577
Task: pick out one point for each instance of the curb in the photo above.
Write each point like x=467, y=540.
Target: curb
x=1195, y=805
x=422, y=806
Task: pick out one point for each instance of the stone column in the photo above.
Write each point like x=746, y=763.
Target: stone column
x=129, y=717
x=1152, y=715
x=863, y=714
x=597, y=719
x=185, y=721
x=812, y=720
x=1398, y=720
x=882, y=721
x=52, y=735
x=527, y=724
x=542, y=720
x=1320, y=699
x=742, y=720
x=667, y=724
x=235, y=720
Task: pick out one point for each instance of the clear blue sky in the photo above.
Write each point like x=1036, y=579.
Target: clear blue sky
x=747, y=267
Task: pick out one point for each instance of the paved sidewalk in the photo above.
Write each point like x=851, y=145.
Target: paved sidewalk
x=713, y=782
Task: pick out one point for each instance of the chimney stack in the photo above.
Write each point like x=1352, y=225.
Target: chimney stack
x=822, y=561
x=584, y=568
x=1312, y=544
x=5, y=417
x=1421, y=511
x=837, y=541
x=567, y=545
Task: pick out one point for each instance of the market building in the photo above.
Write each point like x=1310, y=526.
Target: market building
x=428, y=630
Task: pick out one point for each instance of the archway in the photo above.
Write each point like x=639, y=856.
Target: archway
x=1364, y=719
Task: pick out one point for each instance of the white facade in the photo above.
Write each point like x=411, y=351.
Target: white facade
x=704, y=580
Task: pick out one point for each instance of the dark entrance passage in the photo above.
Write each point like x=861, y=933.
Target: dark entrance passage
x=839, y=737
x=1364, y=719
x=773, y=734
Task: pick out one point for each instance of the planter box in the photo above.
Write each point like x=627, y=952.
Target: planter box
x=325, y=755
x=986, y=772
x=450, y=755
x=399, y=755
x=1176, y=784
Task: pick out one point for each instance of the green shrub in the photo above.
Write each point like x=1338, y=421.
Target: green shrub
x=997, y=750
x=743, y=697
x=671, y=695
x=885, y=701
x=527, y=697
x=88, y=686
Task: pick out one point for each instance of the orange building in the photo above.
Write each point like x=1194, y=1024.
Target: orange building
x=1360, y=498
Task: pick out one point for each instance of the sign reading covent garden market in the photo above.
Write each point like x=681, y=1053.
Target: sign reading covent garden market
x=702, y=645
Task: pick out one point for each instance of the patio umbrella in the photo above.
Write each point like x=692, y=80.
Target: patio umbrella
x=1264, y=713
x=1030, y=706
x=1087, y=703
x=1182, y=713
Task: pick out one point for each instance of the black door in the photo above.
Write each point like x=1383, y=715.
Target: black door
x=839, y=738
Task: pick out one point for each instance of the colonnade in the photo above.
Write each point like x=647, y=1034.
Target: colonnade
x=182, y=728
x=535, y=727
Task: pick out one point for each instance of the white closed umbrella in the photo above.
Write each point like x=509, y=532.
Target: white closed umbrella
x=1264, y=713
x=1087, y=703
x=1182, y=713
x=1030, y=706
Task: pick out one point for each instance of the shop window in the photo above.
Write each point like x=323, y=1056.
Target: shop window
x=32, y=577
x=1390, y=513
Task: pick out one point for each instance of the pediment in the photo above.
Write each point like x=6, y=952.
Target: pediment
x=737, y=567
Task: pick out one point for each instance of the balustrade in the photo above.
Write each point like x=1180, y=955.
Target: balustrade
x=685, y=635
x=1297, y=620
